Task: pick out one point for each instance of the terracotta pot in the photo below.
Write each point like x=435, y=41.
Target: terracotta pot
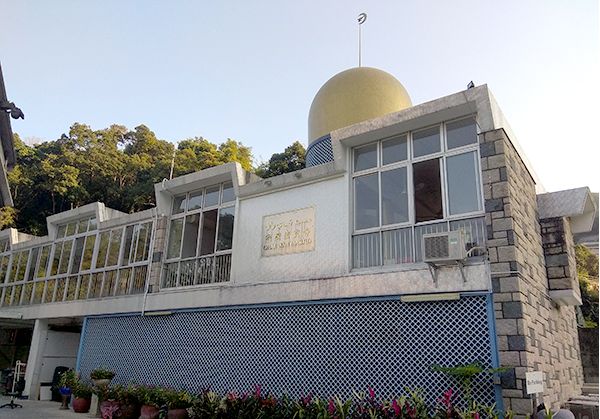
x=81, y=405
x=101, y=382
x=129, y=411
x=149, y=412
x=109, y=409
x=177, y=414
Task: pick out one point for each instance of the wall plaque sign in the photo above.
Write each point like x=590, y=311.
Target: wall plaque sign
x=288, y=232
x=534, y=382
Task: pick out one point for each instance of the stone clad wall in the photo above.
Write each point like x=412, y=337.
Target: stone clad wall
x=559, y=251
x=533, y=332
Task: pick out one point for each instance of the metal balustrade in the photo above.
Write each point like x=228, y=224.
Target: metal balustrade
x=398, y=246
x=197, y=271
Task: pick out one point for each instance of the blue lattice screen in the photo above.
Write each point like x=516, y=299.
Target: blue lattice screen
x=325, y=348
x=319, y=152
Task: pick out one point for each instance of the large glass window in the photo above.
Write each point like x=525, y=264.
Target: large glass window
x=407, y=184
x=200, y=237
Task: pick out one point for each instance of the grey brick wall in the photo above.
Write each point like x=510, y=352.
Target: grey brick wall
x=533, y=332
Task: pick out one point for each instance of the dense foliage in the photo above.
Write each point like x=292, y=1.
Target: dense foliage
x=115, y=165
x=292, y=159
x=587, y=273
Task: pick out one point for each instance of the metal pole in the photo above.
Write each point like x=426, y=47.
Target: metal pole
x=361, y=19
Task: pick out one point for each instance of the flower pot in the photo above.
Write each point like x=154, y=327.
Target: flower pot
x=129, y=411
x=65, y=399
x=149, y=412
x=101, y=382
x=81, y=405
x=109, y=409
x=177, y=414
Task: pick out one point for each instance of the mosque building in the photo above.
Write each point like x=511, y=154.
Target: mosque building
x=416, y=235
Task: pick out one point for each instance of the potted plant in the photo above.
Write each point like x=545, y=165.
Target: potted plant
x=127, y=396
x=177, y=402
x=66, y=382
x=102, y=376
x=107, y=398
x=82, y=394
x=151, y=398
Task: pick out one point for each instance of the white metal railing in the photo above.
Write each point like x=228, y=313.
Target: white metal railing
x=197, y=271
x=398, y=246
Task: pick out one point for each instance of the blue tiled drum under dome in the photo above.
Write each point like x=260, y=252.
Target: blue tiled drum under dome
x=320, y=347
x=319, y=152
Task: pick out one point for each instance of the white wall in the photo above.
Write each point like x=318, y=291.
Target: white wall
x=329, y=198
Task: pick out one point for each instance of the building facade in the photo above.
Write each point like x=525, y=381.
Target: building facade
x=316, y=280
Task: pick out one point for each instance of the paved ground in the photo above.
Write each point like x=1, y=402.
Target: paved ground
x=37, y=410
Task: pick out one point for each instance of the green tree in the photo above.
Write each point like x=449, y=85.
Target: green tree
x=231, y=151
x=293, y=158
x=587, y=273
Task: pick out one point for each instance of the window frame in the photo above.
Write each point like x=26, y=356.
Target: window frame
x=409, y=162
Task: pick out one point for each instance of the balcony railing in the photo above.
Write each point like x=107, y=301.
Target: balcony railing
x=197, y=271
x=109, y=283
x=395, y=247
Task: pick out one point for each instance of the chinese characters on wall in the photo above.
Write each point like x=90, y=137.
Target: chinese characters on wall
x=289, y=232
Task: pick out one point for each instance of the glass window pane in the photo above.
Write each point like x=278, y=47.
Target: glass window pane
x=179, y=204
x=23, y=256
x=365, y=157
x=394, y=196
x=394, y=150
x=32, y=263
x=143, y=243
x=190, y=235
x=103, y=249
x=426, y=141
x=397, y=246
x=225, y=237
x=61, y=231
x=56, y=258
x=71, y=227
x=175, y=233
x=65, y=256
x=209, y=228
x=82, y=226
x=195, y=200
x=366, y=201
x=228, y=193
x=131, y=234
x=43, y=262
x=79, y=242
x=366, y=250
x=88, y=252
x=3, y=267
x=461, y=133
x=114, y=247
x=93, y=225
x=463, y=183
x=428, y=190
x=212, y=196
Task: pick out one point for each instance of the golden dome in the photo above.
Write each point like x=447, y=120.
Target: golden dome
x=353, y=96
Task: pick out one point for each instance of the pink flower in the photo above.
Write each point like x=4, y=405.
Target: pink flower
x=307, y=399
x=371, y=393
x=331, y=407
x=396, y=408
x=476, y=416
x=257, y=391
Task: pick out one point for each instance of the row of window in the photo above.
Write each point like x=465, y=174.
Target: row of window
x=417, y=177
x=121, y=246
x=76, y=227
x=202, y=222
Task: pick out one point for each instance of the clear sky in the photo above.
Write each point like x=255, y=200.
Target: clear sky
x=249, y=70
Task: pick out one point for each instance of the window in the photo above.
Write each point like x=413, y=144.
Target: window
x=412, y=184
x=200, y=237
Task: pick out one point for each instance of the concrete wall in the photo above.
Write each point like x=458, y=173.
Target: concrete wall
x=330, y=200
x=49, y=349
x=533, y=332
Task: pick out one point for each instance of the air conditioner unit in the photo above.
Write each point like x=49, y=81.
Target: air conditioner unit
x=444, y=247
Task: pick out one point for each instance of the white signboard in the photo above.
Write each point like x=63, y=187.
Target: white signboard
x=288, y=232
x=534, y=382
